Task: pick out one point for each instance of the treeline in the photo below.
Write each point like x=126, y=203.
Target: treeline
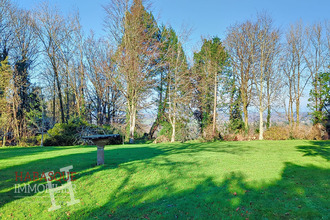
x=117, y=81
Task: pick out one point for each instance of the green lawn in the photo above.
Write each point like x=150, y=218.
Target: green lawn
x=221, y=180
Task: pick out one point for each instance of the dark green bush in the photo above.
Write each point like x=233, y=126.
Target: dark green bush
x=181, y=133
x=65, y=134
x=71, y=133
x=166, y=130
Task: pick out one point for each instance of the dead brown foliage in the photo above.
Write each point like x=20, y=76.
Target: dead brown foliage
x=161, y=139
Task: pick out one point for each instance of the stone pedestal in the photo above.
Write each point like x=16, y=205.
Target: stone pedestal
x=100, y=155
x=100, y=141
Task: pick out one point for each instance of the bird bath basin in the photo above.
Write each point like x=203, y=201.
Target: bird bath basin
x=100, y=141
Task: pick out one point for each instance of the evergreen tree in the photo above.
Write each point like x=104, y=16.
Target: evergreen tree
x=209, y=63
x=320, y=111
x=137, y=60
x=161, y=86
x=236, y=122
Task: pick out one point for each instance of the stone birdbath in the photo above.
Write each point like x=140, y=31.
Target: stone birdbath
x=100, y=141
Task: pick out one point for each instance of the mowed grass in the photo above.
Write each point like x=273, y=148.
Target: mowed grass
x=221, y=180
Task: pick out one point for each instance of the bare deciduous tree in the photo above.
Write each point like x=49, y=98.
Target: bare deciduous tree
x=55, y=32
x=315, y=56
x=241, y=49
x=294, y=50
x=49, y=26
x=24, y=55
x=267, y=43
x=6, y=30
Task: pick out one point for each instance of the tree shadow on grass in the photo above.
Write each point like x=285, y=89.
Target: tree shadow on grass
x=218, y=147
x=14, y=152
x=317, y=148
x=302, y=192
x=83, y=165
x=170, y=148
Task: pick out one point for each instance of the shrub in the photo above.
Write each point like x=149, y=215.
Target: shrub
x=62, y=135
x=240, y=137
x=318, y=132
x=208, y=134
x=72, y=132
x=29, y=141
x=327, y=125
x=301, y=132
x=161, y=139
x=181, y=130
x=277, y=133
x=236, y=125
x=229, y=137
x=66, y=134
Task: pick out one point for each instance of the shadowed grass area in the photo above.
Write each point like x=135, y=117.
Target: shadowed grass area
x=316, y=148
x=221, y=180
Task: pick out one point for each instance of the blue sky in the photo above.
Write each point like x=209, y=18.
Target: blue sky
x=206, y=18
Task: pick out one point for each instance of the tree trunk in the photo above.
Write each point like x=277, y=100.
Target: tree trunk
x=104, y=113
x=173, y=130
x=54, y=103
x=16, y=128
x=261, y=119
x=268, y=103
x=42, y=124
x=290, y=107
x=246, y=119
x=245, y=107
x=328, y=124
x=261, y=125
x=160, y=115
x=4, y=140
x=316, y=119
x=297, y=111
x=291, y=114
x=132, y=124
x=153, y=129
x=161, y=105
x=60, y=96
x=214, y=105
x=78, y=107
x=67, y=98
x=268, y=117
x=298, y=98
x=98, y=108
